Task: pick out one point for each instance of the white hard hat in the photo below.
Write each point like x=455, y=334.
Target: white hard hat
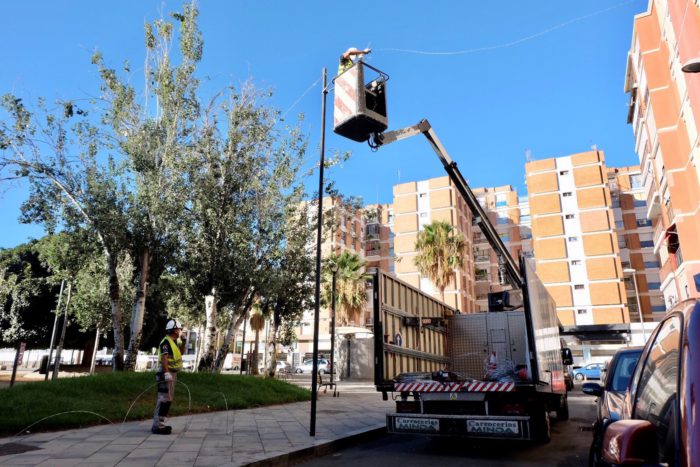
x=173, y=324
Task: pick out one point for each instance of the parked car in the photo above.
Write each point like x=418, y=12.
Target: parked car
x=590, y=371
x=659, y=421
x=611, y=395
x=568, y=380
x=307, y=366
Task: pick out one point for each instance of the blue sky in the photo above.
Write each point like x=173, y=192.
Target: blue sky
x=512, y=76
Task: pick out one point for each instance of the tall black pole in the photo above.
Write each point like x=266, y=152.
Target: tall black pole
x=53, y=333
x=317, y=308
x=335, y=272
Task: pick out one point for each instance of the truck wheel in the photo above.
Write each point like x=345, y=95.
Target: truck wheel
x=563, y=411
x=540, y=426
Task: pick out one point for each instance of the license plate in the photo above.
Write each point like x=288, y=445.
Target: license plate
x=426, y=425
x=493, y=427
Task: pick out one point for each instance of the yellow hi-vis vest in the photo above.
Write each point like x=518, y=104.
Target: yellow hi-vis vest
x=174, y=357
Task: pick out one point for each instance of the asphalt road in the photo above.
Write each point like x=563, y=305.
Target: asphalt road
x=569, y=447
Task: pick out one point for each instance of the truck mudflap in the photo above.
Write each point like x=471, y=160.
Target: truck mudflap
x=468, y=386
x=471, y=426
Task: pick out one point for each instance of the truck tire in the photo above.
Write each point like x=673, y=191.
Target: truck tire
x=563, y=410
x=540, y=425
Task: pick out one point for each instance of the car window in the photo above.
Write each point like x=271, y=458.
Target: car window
x=656, y=394
x=623, y=371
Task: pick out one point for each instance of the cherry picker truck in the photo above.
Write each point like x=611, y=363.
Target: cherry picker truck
x=495, y=374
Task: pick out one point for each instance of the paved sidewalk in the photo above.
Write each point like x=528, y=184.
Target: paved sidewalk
x=264, y=436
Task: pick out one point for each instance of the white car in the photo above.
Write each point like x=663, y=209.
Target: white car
x=307, y=366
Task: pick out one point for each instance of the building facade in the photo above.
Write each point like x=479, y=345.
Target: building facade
x=574, y=238
x=417, y=204
x=664, y=115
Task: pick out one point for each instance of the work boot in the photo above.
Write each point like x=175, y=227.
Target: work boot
x=164, y=430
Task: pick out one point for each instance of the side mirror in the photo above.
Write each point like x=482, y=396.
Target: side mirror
x=630, y=442
x=592, y=389
x=566, y=357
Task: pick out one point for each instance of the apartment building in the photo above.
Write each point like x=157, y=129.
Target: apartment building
x=344, y=230
x=574, y=238
x=640, y=264
x=502, y=207
x=417, y=204
x=663, y=113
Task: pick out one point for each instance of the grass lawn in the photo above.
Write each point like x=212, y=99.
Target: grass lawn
x=111, y=395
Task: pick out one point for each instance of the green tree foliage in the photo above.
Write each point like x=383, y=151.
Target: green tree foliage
x=181, y=203
x=351, y=284
x=28, y=294
x=440, y=251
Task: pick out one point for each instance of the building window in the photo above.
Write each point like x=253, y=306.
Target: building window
x=579, y=287
x=643, y=223
x=422, y=195
x=570, y=216
x=576, y=262
x=636, y=181
x=658, y=308
x=525, y=218
x=653, y=285
x=640, y=200
x=651, y=264
x=503, y=220
x=646, y=243
x=566, y=194
x=390, y=217
x=563, y=172
x=500, y=204
x=581, y=311
x=573, y=239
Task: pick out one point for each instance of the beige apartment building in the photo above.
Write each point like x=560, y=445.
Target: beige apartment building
x=346, y=232
x=502, y=207
x=640, y=264
x=417, y=204
x=664, y=115
x=574, y=238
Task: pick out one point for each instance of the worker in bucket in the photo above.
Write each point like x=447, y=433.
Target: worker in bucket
x=346, y=60
x=170, y=359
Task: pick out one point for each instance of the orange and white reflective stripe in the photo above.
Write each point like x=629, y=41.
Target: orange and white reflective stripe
x=345, y=101
x=475, y=386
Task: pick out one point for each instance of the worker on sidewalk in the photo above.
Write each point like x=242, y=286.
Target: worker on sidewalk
x=170, y=358
x=346, y=58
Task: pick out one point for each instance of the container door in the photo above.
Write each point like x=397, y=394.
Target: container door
x=517, y=337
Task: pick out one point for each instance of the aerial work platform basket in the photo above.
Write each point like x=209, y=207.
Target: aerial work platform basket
x=360, y=102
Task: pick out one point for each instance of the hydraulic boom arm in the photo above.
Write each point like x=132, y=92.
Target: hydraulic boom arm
x=480, y=217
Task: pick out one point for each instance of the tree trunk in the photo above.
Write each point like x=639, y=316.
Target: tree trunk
x=231, y=332
x=209, y=342
x=256, y=365
x=115, y=301
x=138, y=312
x=272, y=364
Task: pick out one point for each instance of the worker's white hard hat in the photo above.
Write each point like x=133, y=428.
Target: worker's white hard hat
x=173, y=324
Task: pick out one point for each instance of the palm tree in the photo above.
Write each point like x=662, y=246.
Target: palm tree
x=350, y=295
x=257, y=324
x=440, y=251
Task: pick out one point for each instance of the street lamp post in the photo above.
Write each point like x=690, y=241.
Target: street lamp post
x=335, y=272
x=317, y=307
x=636, y=294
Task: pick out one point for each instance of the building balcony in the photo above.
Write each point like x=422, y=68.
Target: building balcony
x=376, y=252
x=653, y=199
x=482, y=259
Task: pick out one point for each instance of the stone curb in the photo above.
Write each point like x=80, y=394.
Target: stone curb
x=323, y=448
